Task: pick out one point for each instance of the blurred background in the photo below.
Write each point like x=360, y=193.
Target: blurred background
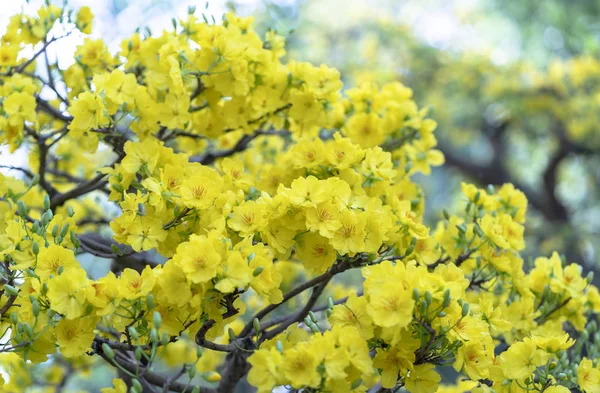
x=513, y=84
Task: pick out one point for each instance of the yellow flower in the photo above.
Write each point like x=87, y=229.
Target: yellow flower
x=365, y=129
x=134, y=285
x=140, y=154
x=67, y=293
x=20, y=106
x=119, y=387
x=198, y=258
x=236, y=273
x=494, y=231
x=248, y=217
x=401, y=356
x=50, y=259
x=201, y=190
x=84, y=20
x=75, y=336
x=8, y=55
x=342, y=153
x=553, y=344
x=145, y=233
x=265, y=373
x=521, y=359
x=588, y=376
x=104, y=294
x=474, y=357
x=300, y=367
x=350, y=236
x=353, y=313
x=307, y=192
x=88, y=112
x=391, y=306
x=118, y=88
x=324, y=218
x=315, y=252
x=422, y=379
x=557, y=389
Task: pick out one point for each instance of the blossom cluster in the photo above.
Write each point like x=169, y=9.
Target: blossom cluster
x=242, y=181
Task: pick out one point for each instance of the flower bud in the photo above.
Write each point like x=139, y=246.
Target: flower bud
x=415, y=294
x=108, y=351
x=156, y=320
x=307, y=321
x=213, y=377
x=312, y=316
x=135, y=384
x=35, y=247
x=428, y=298
x=465, y=309
x=150, y=301
x=35, y=308
x=257, y=271
x=356, y=384
x=12, y=291
x=279, y=346
x=22, y=209
x=28, y=330
x=46, y=202
x=231, y=334
x=153, y=335
x=256, y=325
x=64, y=230
x=447, y=298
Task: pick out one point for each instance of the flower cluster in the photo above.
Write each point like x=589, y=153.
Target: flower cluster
x=232, y=184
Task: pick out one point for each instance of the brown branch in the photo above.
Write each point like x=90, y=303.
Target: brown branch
x=152, y=378
x=25, y=171
x=22, y=67
x=339, y=268
x=277, y=321
x=317, y=291
x=43, y=149
x=45, y=106
x=96, y=183
x=203, y=342
x=542, y=318
x=9, y=303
